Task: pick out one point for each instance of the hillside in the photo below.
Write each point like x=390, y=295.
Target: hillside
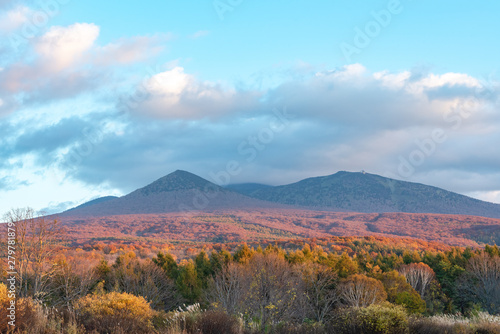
x=246, y=188
x=364, y=192
x=95, y=201
x=184, y=207
x=274, y=224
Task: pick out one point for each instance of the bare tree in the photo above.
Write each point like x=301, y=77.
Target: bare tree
x=146, y=279
x=23, y=219
x=320, y=293
x=73, y=279
x=483, y=284
x=418, y=275
x=37, y=238
x=361, y=291
x=228, y=288
x=267, y=288
x=272, y=294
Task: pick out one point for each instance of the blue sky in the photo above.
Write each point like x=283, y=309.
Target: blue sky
x=100, y=98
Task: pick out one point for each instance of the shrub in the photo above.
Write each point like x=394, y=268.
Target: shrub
x=29, y=314
x=183, y=320
x=479, y=324
x=34, y=318
x=4, y=303
x=216, y=322
x=286, y=328
x=115, y=311
x=384, y=318
x=411, y=301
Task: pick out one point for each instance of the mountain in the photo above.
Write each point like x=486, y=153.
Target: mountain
x=364, y=192
x=182, y=191
x=179, y=191
x=95, y=201
x=369, y=205
x=246, y=188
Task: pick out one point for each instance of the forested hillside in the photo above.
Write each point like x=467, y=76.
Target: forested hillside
x=319, y=285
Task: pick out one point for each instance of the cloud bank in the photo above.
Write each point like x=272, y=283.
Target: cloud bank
x=439, y=129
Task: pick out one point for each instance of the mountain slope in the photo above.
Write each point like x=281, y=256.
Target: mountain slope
x=246, y=188
x=95, y=201
x=364, y=192
x=179, y=191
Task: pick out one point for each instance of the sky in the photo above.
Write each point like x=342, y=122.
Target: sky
x=101, y=98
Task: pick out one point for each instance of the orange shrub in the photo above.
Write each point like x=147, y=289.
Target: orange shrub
x=115, y=311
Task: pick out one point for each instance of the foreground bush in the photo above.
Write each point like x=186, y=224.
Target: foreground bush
x=34, y=318
x=115, y=312
x=216, y=322
x=483, y=323
x=375, y=319
x=30, y=316
x=183, y=320
x=4, y=303
x=315, y=328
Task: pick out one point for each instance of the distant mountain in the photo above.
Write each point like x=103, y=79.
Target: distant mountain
x=246, y=188
x=179, y=191
x=95, y=201
x=182, y=191
x=364, y=192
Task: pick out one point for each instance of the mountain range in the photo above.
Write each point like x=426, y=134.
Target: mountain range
x=182, y=191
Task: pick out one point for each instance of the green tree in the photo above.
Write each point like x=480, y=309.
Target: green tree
x=188, y=283
x=220, y=259
x=167, y=262
x=400, y=292
x=243, y=254
x=203, y=268
x=346, y=266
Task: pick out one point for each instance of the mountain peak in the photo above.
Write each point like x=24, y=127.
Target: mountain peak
x=179, y=191
x=365, y=192
x=178, y=180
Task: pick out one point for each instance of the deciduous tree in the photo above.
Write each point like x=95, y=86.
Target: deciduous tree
x=361, y=291
x=418, y=275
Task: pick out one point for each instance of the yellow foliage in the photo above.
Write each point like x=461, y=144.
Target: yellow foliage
x=108, y=310
x=3, y=294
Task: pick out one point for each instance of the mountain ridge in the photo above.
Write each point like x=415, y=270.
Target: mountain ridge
x=343, y=191
x=365, y=192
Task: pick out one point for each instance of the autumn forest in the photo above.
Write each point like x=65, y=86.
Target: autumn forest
x=365, y=284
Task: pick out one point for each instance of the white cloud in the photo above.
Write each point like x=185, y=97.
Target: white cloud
x=489, y=196
x=175, y=94
x=130, y=50
x=14, y=18
x=390, y=80
x=446, y=80
x=434, y=80
x=62, y=47
x=66, y=61
x=171, y=83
